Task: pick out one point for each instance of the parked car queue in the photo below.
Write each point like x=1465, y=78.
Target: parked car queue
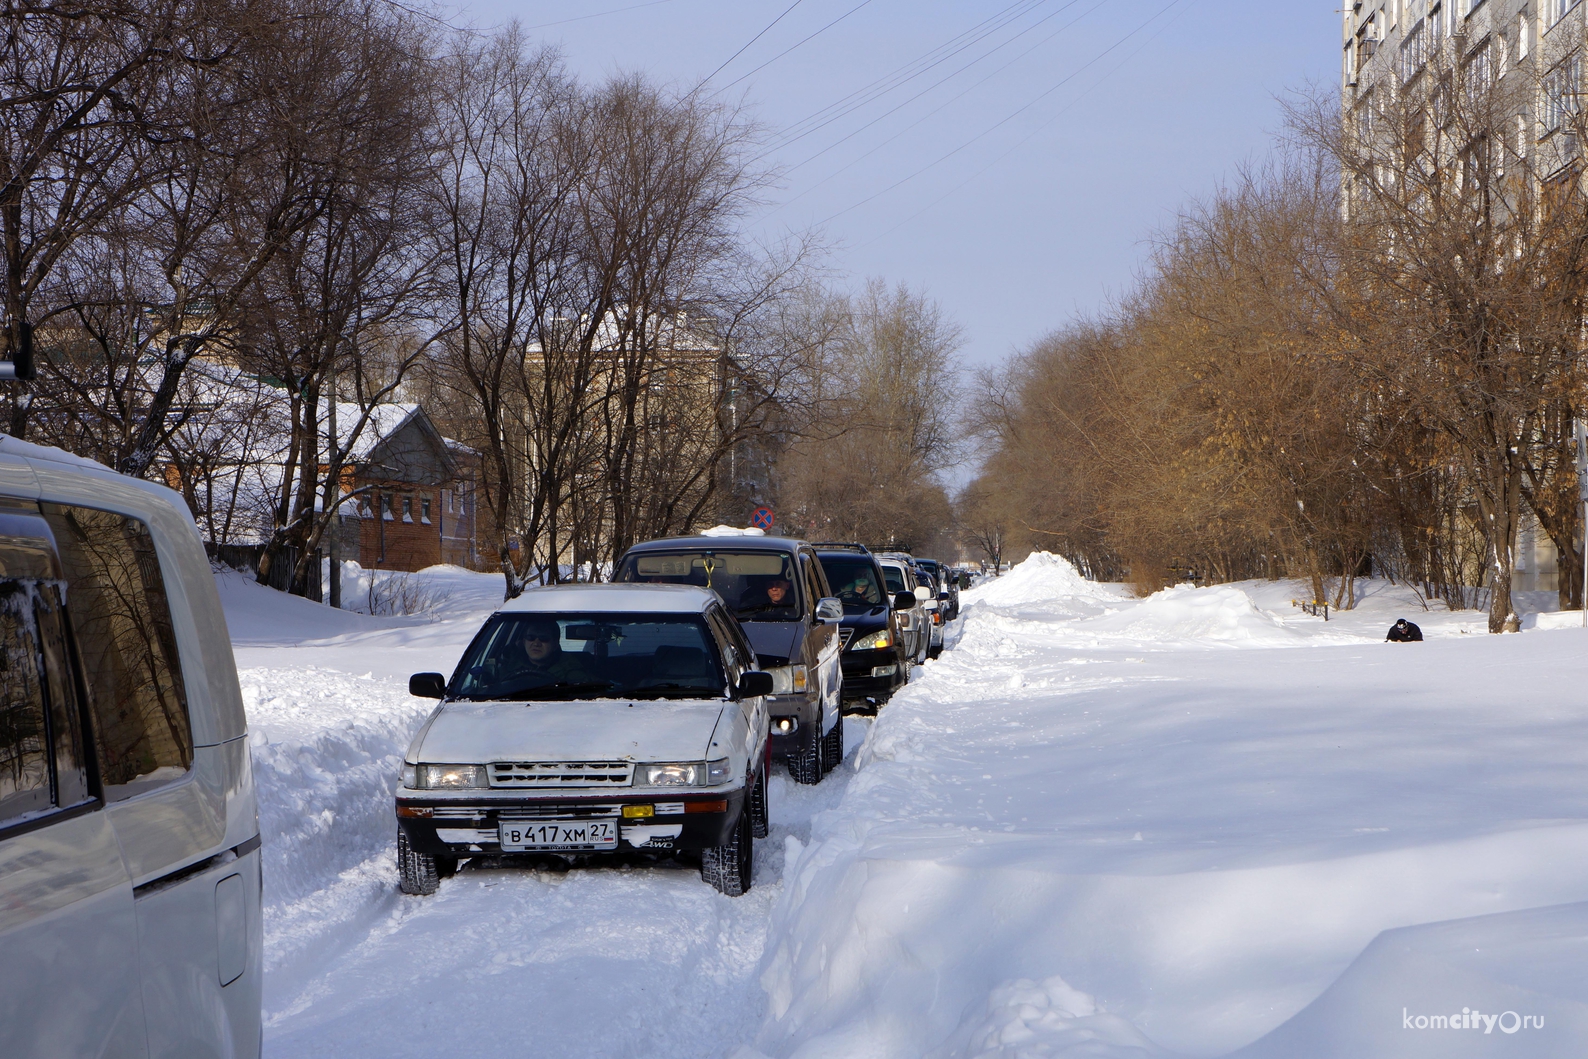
x=550, y=739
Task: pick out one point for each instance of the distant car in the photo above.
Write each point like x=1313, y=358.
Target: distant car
x=874, y=663
x=915, y=620
x=948, y=582
x=775, y=587
x=129, y=837
x=585, y=719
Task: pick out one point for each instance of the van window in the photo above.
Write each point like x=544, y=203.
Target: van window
x=41, y=760
x=133, y=674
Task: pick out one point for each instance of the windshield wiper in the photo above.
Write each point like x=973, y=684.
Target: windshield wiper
x=533, y=691
x=641, y=692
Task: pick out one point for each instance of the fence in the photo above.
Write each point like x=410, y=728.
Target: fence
x=245, y=557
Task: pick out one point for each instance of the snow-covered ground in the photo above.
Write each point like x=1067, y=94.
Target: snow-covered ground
x=1098, y=825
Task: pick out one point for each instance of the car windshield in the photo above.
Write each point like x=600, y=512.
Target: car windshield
x=756, y=585
x=854, y=581
x=590, y=656
x=894, y=577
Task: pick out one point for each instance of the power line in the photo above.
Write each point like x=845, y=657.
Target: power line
x=1004, y=120
x=904, y=74
x=752, y=40
x=1028, y=137
x=952, y=99
x=785, y=51
x=597, y=14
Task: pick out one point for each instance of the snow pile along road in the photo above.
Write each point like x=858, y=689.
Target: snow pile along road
x=1081, y=834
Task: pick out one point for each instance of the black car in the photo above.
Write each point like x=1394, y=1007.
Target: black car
x=776, y=588
x=872, y=664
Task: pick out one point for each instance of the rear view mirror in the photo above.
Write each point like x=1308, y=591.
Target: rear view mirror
x=924, y=593
x=755, y=683
x=904, y=601
x=427, y=685
x=829, y=609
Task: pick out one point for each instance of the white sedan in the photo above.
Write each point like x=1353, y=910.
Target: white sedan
x=591, y=719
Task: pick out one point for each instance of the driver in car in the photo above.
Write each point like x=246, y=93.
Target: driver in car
x=861, y=590
x=775, y=594
x=542, y=656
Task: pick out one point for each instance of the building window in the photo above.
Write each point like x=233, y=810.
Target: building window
x=1414, y=52
x=408, y=509
x=1561, y=87
x=1524, y=41
x=385, y=507
x=1559, y=9
x=424, y=510
x=363, y=507
x=1479, y=70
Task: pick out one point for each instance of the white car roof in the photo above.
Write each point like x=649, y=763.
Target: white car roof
x=645, y=599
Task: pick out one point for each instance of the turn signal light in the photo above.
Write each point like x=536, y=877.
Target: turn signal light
x=413, y=811
x=718, y=806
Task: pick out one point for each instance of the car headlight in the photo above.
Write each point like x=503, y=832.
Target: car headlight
x=789, y=680
x=682, y=773
x=872, y=642
x=448, y=777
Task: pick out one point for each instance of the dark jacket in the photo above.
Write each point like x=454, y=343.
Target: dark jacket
x=1404, y=631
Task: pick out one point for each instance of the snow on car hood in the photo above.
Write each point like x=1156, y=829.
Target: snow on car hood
x=603, y=730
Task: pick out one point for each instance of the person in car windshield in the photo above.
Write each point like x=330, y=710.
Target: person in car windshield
x=773, y=600
x=541, y=655
x=862, y=589
x=641, y=656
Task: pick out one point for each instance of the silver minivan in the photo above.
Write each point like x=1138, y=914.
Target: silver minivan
x=129, y=839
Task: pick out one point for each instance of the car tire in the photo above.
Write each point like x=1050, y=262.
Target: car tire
x=833, y=746
x=728, y=867
x=760, y=816
x=416, y=872
x=805, y=763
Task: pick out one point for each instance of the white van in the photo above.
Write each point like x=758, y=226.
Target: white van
x=129, y=838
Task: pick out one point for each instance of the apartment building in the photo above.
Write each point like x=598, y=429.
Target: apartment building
x=1440, y=81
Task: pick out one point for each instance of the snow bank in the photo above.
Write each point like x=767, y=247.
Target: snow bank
x=1217, y=614
x=1043, y=579
x=1079, y=835
x=327, y=752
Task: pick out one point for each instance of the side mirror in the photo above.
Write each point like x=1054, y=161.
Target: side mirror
x=904, y=601
x=427, y=685
x=930, y=604
x=755, y=683
x=943, y=597
x=923, y=593
x=829, y=609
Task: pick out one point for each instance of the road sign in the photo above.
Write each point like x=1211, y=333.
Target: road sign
x=761, y=518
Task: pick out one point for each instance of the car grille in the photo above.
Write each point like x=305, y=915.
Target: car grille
x=845, y=635
x=559, y=812
x=561, y=773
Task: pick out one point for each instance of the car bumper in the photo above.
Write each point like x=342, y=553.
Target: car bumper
x=872, y=675
x=469, y=828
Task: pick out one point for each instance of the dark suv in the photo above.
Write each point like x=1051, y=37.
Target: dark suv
x=776, y=588
x=872, y=663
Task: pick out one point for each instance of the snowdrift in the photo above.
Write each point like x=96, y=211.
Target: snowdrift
x=1216, y=614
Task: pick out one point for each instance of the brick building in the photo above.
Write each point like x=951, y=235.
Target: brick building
x=412, y=500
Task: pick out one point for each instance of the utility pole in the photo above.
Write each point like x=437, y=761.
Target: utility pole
x=1581, y=430
x=334, y=550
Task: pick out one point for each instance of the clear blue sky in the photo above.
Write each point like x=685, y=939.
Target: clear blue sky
x=1127, y=117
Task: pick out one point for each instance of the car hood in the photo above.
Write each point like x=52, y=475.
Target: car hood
x=776, y=643
x=602, y=730
x=865, y=620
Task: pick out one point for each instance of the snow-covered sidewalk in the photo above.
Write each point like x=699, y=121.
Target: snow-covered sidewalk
x=1105, y=826
x=1096, y=826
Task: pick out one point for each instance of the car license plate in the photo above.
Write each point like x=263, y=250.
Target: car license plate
x=557, y=834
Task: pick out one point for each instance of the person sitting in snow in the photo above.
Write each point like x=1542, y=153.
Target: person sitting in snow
x=1404, y=631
